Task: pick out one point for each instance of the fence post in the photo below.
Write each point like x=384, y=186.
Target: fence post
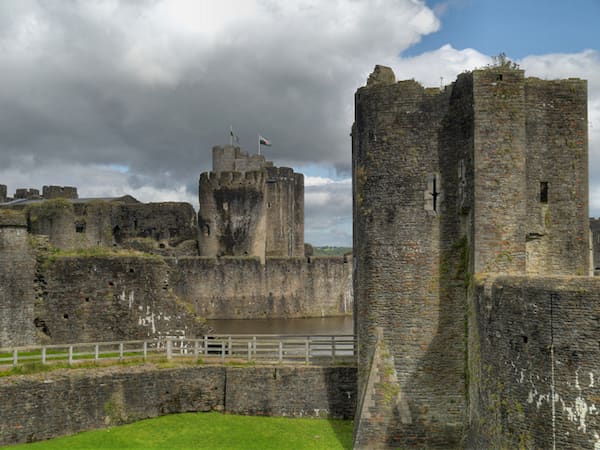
x=254, y=346
x=307, y=350
x=145, y=349
x=70, y=354
x=15, y=357
x=249, y=350
x=222, y=349
x=196, y=349
x=332, y=349
x=96, y=352
x=205, y=345
x=280, y=350
x=44, y=354
x=230, y=353
x=169, y=349
x=120, y=351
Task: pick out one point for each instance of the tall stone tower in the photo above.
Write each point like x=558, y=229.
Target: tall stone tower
x=488, y=175
x=249, y=207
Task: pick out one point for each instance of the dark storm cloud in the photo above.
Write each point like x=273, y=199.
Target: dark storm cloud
x=124, y=83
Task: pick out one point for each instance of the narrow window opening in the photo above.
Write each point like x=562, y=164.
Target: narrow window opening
x=498, y=77
x=80, y=227
x=432, y=193
x=544, y=192
x=435, y=193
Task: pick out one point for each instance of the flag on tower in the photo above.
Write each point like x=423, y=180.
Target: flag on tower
x=232, y=137
x=264, y=141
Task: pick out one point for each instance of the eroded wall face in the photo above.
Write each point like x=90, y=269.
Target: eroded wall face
x=243, y=288
x=163, y=228
x=285, y=212
x=232, y=217
x=398, y=215
x=101, y=299
x=499, y=178
x=557, y=177
x=81, y=400
x=17, y=274
x=534, y=363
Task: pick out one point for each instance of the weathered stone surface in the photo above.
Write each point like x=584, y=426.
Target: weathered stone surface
x=109, y=298
x=44, y=406
x=243, y=288
x=488, y=175
x=250, y=208
x=534, y=362
x=17, y=273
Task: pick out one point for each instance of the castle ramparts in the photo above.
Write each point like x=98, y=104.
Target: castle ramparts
x=452, y=188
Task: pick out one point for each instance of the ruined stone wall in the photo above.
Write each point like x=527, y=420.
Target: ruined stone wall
x=557, y=163
x=534, y=362
x=50, y=192
x=17, y=273
x=27, y=193
x=167, y=228
x=232, y=159
x=500, y=180
x=3, y=193
x=243, y=288
x=108, y=298
x=285, y=212
x=232, y=217
x=67, y=402
x=398, y=210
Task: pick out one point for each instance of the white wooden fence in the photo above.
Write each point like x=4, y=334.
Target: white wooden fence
x=300, y=349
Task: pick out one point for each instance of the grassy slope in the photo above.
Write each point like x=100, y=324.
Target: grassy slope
x=211, y=431
x=331, y=251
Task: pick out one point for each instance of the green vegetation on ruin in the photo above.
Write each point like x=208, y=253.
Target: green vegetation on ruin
x=211, y=431
x=331, y=251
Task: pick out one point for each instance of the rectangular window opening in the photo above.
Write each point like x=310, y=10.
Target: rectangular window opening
x=544, y=192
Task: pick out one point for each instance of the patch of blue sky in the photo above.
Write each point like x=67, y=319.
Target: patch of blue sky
x=517, y=28
x=121, y=168
x=317, y=170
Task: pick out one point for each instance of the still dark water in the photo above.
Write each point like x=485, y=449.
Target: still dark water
x=320, y=325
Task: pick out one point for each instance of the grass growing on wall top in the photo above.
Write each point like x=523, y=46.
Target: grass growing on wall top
x=211, y=431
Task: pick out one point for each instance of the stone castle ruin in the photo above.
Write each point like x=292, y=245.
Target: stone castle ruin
x=101, y=269
x=250, y=208
x=476, y=319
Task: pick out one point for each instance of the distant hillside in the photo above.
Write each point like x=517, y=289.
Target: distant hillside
x=331, y=251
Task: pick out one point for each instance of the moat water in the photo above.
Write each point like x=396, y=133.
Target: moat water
x=312, y=326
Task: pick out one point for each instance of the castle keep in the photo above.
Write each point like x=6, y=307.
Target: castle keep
x=248, y=207
x=473, y=309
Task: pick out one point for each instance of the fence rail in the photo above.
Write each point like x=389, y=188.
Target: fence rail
x=300, y=349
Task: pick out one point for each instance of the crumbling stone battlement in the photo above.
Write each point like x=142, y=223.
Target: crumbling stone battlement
x=485, y=176
x=256, y=210
x=232, y=159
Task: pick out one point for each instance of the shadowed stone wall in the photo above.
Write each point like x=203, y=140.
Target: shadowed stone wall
x=534, y=362
x=17, y=273
x=243, y=288
x=65, y=402
x=487, y=175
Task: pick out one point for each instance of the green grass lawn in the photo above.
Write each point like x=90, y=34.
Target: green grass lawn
x=211, y=431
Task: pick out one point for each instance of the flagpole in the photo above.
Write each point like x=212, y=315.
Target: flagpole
x=230, y=134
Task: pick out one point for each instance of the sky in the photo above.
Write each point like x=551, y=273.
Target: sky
x=129, y=97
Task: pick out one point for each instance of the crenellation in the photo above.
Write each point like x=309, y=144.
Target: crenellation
x=250, y=208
